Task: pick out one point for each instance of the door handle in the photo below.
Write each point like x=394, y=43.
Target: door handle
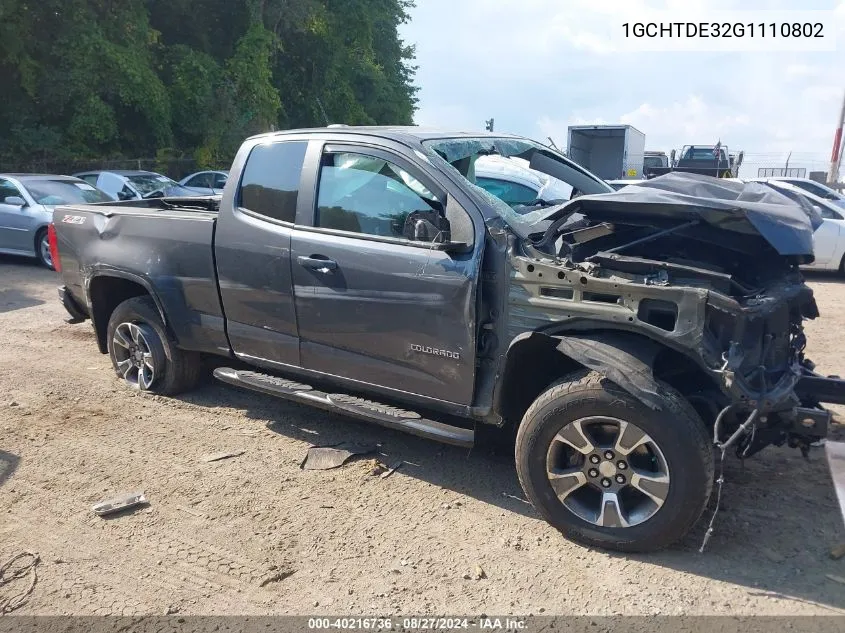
x=317, y=262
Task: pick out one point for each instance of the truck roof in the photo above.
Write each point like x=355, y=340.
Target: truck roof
x=402, y=133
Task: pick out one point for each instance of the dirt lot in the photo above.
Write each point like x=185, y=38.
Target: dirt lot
x=344, y=541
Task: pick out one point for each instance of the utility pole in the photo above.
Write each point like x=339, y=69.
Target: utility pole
x=786, y=167
x=836, y=156
x=488, y=124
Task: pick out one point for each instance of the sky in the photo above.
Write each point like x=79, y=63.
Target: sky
x=538, y=66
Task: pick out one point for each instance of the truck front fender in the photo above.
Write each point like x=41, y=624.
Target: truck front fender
x=625, y=360
x=535, y=360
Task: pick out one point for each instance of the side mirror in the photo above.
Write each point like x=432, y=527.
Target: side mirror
x=122, y=195
x=15, y=201
x=427, y=226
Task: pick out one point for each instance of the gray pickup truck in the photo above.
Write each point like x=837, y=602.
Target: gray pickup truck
x=626, y=338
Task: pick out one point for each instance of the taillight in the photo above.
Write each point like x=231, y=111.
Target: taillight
x=54, y=247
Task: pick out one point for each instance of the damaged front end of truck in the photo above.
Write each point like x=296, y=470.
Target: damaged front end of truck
x=688, y=280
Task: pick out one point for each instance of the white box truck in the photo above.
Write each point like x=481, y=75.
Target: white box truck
x=609, y=151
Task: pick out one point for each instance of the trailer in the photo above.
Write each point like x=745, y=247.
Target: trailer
x=609, y=151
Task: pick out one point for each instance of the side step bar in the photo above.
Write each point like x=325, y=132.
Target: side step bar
x=385, y=415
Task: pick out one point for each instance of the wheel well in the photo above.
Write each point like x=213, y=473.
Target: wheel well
x=691, y=381
x=36, y=243
x=532, y=365
x=106, y=294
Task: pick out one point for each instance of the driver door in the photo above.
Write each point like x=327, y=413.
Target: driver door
x=374, y=305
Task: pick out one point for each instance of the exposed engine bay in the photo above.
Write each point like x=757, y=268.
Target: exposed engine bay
x=715, y=279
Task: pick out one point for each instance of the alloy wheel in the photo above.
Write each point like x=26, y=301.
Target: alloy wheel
x=44, y=249
x=608, y=472
x=133, y=354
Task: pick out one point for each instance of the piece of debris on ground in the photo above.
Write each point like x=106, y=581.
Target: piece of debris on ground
x=391, y=470
x=216, y=457
x=276, y=576
x=191, y=511
x=9, y=572
x=334, y=456
x=119, y=504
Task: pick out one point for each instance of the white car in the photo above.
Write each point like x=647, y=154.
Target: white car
x=206, y=182
x=829, y=238
x=135, y=185
x=513, y=182
x=813, y=187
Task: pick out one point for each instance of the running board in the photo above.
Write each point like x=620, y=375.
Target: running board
x=385, y=415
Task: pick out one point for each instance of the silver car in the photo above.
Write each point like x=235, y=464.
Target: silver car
x=206, y=182
x=26, y=209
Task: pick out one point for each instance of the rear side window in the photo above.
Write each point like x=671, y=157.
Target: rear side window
x=270, y=183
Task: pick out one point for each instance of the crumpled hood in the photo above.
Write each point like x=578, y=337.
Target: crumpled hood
x=751, y=208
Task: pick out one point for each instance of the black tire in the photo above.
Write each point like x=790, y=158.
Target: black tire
x=179, y=370
x=43, y=259
x=677, y=431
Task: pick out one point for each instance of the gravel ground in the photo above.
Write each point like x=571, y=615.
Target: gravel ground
x=255, y=534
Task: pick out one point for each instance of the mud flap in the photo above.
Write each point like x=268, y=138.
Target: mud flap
x=624, y=360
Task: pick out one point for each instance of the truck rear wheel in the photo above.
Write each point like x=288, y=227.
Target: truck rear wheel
x=608, y=471
x=144, y=355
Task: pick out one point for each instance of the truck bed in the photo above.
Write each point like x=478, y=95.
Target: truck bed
x=163, y=245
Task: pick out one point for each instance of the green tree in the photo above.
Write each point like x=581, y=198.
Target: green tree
x=101, y=78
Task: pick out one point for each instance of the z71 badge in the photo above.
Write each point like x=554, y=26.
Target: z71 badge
x=74, y=219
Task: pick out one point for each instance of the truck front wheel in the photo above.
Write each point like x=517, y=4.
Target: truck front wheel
x=144, y=355
x=608, y=471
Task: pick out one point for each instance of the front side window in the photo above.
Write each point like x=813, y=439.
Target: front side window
x=220, y=181
x=829, y=214
x=365, y=194
x=270, y=183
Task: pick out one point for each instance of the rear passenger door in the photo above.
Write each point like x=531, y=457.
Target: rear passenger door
x=375, y=306
x=252, y=246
